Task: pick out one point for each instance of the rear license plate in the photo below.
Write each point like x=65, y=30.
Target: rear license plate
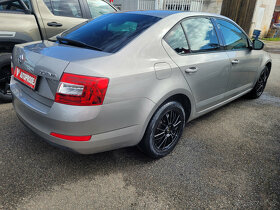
x=25, y=77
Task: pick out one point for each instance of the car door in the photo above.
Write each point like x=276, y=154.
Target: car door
x=60, y=15
x=244, y=60
x=203, y=65
x=17, y=24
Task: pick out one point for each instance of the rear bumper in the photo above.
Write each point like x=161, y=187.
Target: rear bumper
x=99, y=143
x=111, y=126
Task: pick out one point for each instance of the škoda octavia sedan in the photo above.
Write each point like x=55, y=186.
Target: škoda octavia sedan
x=134, y=78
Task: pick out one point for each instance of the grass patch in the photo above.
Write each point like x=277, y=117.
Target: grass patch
x=271, y=39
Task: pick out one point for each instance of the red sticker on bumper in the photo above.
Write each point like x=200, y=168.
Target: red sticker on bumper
x=25, y=77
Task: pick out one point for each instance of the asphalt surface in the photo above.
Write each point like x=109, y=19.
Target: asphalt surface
x=227, y=159
x=272, y=46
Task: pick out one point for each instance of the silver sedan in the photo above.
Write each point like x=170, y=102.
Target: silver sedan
x=134, y=78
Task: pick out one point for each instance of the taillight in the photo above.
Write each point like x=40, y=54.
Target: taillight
x=81, y=90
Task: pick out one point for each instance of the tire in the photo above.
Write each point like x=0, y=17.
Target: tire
x=5, y=76
x=164, y=130
x=260, y=85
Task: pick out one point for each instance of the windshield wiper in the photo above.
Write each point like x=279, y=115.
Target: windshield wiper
x=63, y=40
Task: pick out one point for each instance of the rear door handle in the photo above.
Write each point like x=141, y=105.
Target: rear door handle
x=54, y=24
x=235, y=61
x=191, y=70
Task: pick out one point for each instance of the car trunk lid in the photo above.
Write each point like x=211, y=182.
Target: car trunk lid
x=47, y=60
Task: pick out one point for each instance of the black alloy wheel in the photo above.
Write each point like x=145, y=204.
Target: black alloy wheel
x=261, y=83
x=167, y=131
x=164, y=130
x=5, y=77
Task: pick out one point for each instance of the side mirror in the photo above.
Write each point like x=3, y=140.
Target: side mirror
x=258, y=45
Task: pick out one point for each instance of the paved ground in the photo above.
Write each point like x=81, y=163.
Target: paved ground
x=272, y=46
x=227, y=159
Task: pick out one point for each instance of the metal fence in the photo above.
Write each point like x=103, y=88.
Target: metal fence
x=146, y=4
x=185, y=5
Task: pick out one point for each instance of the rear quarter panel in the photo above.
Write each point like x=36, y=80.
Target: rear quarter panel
x=134, y=92
x=133, y=78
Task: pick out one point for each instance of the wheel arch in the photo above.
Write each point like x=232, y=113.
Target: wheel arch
x=266, y=62
x=183, y=100
x=269, y=66
x=182, y=96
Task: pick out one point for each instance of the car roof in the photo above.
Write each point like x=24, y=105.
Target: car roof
x=156, y=13
x=166, y=13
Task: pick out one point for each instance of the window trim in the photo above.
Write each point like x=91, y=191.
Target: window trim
x=85, y=9
x=249, y=42
x=220, y=49
x=219, y=34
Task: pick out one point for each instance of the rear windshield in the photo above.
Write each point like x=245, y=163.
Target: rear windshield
x=110, y=32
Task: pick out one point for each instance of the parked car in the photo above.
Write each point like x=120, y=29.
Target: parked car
x=24, y=21
x=134, y=78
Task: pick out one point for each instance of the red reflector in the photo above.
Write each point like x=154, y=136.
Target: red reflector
x=12, y=70
x=71, y=138
x=81, y=90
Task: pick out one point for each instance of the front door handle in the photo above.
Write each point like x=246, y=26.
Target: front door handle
x=235, y=61
x=54, y=24
x=191, y=70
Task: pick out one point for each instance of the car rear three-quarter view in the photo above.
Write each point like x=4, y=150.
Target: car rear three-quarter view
x=133, y=78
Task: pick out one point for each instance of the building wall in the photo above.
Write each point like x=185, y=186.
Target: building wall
x=212, y=6
x=262, y=16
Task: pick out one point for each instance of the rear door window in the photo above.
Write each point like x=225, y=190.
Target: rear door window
x=98, y=7
x=15, y=6
x=66, y=8
x=176, y=39
x=201, y=34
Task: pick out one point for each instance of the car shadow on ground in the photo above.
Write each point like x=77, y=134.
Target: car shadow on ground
x=30, y=165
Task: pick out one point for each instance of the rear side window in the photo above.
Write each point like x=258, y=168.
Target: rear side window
x=98, y=7
x=66, y=8
x=234, y=38
x=177, y=40
x=201, y=34
x=15, y=5
x=111, y=32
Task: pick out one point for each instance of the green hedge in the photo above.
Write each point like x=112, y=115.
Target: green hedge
x=271, y=39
